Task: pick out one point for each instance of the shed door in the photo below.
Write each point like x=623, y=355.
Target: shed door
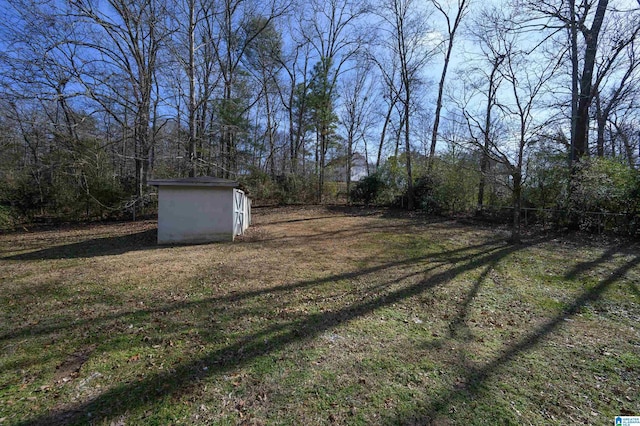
x=238, y=211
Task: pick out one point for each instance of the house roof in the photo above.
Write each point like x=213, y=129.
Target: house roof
x=204, y=181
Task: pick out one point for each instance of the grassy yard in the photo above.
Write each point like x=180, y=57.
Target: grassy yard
x=318, y=316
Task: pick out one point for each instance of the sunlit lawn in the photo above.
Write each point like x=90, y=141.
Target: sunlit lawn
x=318, y=316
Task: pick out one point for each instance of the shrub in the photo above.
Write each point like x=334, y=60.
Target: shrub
x=281, y=189
x=603, y=185
x=368, y=190
x=428, y=195
x=7, y=218
x=547, y=183
x=458, y=184
x=25, y=194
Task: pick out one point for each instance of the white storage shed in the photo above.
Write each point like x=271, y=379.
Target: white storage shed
x=200, y=210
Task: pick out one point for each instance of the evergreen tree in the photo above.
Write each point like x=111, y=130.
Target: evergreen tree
x=324, y=118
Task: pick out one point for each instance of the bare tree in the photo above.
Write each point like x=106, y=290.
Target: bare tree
x=452, y=28
x=384, y=59
x=331, y=28
x=519, y=104
x=264, y=62
x=405, y=33
x=41, y=98
x=487, y=31
x=121, y=48
x=625, y=129
x=616, y=93
x=191, y=57
x=356, y=115
x=591, y=58
x=191, y=73
x=293, y=97
x=237, y=30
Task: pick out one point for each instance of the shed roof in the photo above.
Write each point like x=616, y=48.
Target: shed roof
x=195, y=181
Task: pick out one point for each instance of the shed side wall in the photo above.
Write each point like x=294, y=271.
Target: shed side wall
x=194, y=215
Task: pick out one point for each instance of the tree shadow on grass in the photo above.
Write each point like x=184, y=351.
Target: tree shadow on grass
x=322, y=235
x=106, y=246
x=458, y=326
x=435, y=411
x=441, y=259
x=272, y=337
x=341, y=211
x=347, y=230
x=304, y=219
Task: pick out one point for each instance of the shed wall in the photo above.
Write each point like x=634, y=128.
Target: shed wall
x=194, y=214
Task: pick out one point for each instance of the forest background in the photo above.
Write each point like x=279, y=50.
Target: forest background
x=525, y=107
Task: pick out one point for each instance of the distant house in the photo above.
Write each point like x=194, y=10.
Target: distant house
x=200, y=210
x=358, y=167
x=338, y=168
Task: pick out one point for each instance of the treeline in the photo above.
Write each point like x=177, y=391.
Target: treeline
x=601, y=195
x=447, y=106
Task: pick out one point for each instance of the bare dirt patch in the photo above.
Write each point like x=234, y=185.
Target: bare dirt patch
x=70, y=367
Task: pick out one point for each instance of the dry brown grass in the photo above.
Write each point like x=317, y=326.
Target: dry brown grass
x=317, y=315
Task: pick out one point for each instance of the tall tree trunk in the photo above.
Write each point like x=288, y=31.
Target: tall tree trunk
x=581, y=139
x=517, y=206
x=349, y=158
x=462, y=5
x=407, y=148
x=270, y=130
x=601, y=121
x=486, y=132
x=317, y=168
x=366, y=156
x=573, y=37
x=484, y=167
x=612, y=141
x=383, y=135
x=191, y=71
x=628, y=149
x=293, y=160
